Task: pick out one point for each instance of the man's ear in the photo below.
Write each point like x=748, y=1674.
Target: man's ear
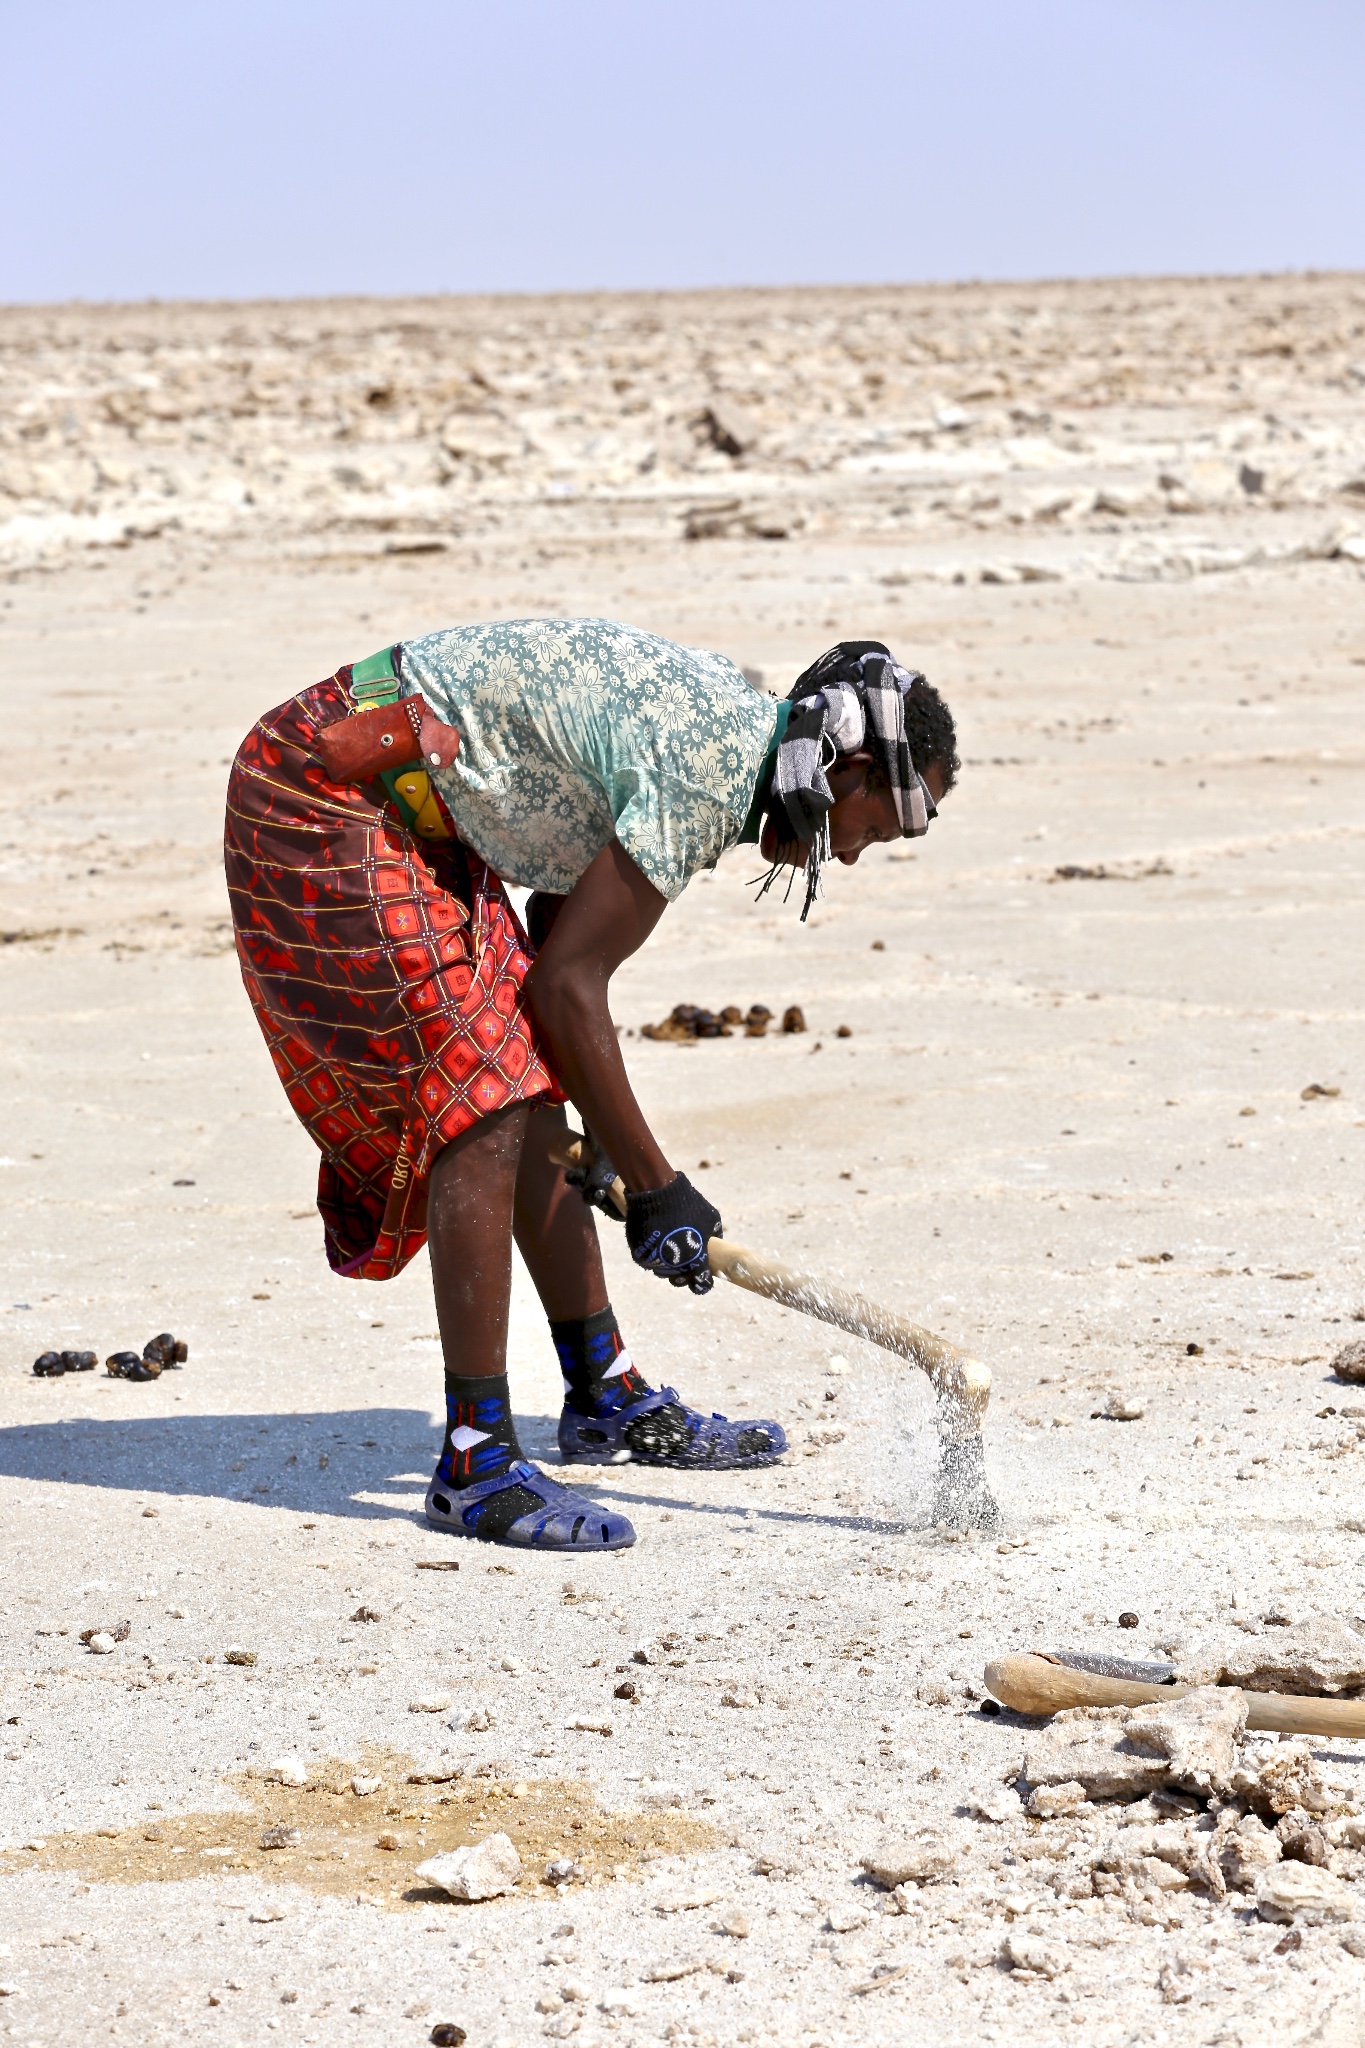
x=850, y=772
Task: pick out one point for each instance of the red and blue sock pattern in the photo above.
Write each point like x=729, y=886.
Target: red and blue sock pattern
x=481, y=1436
x=600, y=1375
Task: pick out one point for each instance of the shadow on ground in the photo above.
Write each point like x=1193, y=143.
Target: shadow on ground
x=328, y=1463
x=317, y=1463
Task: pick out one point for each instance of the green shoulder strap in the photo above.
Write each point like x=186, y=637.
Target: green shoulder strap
x=373, y=680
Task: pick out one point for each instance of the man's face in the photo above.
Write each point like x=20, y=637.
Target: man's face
x=864, y=812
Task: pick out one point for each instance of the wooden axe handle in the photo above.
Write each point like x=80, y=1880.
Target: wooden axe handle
x=1036, y=1685
x=962, y=1383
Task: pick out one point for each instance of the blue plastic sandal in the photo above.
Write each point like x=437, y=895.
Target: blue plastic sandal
x=527, y=1511
x=659, y=1430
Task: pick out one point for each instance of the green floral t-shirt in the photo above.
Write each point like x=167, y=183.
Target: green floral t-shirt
x=575, y=730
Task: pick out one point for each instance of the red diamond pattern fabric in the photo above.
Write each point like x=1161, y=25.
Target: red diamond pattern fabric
x=386, y=973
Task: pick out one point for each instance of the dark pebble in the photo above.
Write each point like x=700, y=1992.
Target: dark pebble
x=1128, y=1619
x=793, y=1018
x=447, y=2035
x=166, y=1349
x=627, y=1690
x=990, y=1706
x=689, y=1020
x=79, y=1361
x=49, y=1366
x=1194, y=1351
x=118, y=1362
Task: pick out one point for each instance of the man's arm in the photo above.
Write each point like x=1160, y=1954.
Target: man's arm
x=606, y=917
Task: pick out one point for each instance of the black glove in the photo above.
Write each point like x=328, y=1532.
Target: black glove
x=667, y=1229
x=593, y=1177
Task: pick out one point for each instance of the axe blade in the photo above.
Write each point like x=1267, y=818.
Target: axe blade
x=1142, y=1670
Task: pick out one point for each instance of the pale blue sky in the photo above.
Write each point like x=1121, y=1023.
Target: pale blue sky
x=174, y=148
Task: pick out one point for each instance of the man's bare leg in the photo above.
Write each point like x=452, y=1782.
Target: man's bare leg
x=557, y=1236
x=483, y=1485
x=555, y=1231
x=470, y=1202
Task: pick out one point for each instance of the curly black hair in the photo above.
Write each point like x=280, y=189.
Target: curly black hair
x=930, y=732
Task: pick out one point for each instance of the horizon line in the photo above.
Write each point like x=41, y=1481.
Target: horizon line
x=1312, y=273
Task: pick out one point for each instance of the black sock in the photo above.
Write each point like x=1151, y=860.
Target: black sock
x=481, y=1436
x=599, y=1374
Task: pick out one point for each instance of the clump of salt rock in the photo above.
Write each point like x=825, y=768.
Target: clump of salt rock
x=481, y=1870
x=1194, y=1805
x=1349, y=1363
x=1125, y=1752
x=1321, y=1654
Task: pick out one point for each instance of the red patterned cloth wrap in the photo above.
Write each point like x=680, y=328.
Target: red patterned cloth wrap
x=386, y=973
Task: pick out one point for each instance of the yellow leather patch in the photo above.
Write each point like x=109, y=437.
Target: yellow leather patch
x=415, y=789
x=429, y=824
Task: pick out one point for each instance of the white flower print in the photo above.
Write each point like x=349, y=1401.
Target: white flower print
x=670, y=705
x=547, y=644
x=579, y=678
x=574, y=729
x=635, y=665
x=713, y=770
x=501, y=682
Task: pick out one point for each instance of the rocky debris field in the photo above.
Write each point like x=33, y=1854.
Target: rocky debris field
x=1094, y=1113
x=1134, y=429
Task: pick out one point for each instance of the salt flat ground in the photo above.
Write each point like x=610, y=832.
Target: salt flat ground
x=1119, y=525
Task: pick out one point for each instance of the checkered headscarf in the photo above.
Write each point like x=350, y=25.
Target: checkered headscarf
x=853, y=697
